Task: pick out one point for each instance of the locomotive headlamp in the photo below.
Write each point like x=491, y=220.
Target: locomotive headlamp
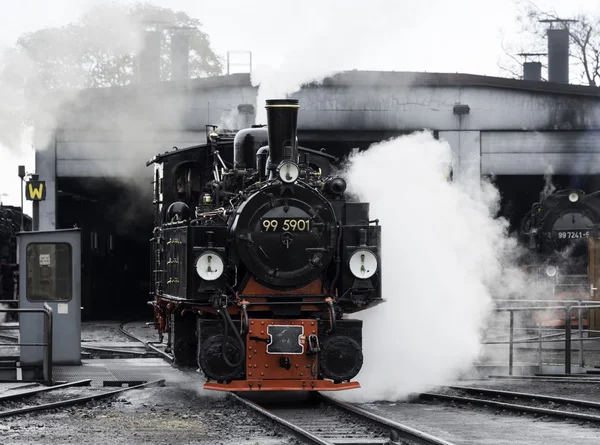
x=573, y=197
x=551, y=271
x=288, y=171
x=363, y=264
x=209, y=266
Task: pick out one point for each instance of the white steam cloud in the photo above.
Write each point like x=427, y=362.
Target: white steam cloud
x=320, y=39
x=445, y=257
x=549, y=186
x=39, y=81
x=445, y=254
x=338, y=37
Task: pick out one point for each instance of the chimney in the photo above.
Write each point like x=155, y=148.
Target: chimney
x=282, y=124
x=180, y=59
x=149, y=59
x=558, y=55
x=532, y=71
x=246, y=114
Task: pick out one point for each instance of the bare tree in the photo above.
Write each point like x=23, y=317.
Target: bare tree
x=584, y=42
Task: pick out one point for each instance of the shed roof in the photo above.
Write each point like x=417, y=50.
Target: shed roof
x=363, y=78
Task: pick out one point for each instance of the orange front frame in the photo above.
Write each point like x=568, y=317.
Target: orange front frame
x=264, y=372
x=281, y=385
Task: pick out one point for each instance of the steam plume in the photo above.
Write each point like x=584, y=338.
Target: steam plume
x=445, y=257
x=342, y=35
x=33, y=93
x=549, y=186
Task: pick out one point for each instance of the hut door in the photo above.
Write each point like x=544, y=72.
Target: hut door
x=594, y=276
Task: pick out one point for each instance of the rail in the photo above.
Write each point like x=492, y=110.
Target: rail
x=540, y=305
x=48, y=315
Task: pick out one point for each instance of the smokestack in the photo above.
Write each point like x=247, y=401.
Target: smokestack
x=282, y=124
x=558, y=55
x=532, y=71
x=149, y=59
x=246, y=113
x=180, y=60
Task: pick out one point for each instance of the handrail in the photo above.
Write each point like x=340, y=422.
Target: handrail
x=567, y=307
x=48, y=316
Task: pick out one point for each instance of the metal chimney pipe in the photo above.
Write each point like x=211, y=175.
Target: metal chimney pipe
x=532, y=71
x=282, y=125
x=180, y=56
x=558, y=55
x=246, y=114
x=149, y=58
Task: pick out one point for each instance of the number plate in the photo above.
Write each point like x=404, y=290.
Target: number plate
x=285, y=224
x=285, y=339
x=572, y=234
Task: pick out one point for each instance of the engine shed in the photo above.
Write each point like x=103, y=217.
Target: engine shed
x=92, y=149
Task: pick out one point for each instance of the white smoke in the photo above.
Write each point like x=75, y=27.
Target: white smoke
x=31, y=92
x=444, y=257
x=321, y=39
x=334, y=43
x=232, y=120
x=549, y=186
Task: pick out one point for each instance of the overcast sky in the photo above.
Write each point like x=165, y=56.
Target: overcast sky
x=401, y=35
x=422, y=35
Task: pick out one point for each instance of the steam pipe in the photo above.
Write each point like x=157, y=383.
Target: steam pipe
x=329, y=302
x=245, y=323
x=217, y=188
x=228, y=322
x=337, y=260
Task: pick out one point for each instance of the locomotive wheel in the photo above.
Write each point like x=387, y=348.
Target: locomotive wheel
x=185, y=351
x=211, y=361
x=340, y=359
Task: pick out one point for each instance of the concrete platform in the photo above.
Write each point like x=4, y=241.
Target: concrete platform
x=114, y=370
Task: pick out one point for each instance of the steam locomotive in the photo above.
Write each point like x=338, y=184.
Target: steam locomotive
x=10, y=223
x=259, y=254
x=557, y=230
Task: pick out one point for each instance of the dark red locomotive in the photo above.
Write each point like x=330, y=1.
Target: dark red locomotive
x=259, y=255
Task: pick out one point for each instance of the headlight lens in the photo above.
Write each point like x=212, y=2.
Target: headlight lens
x=573, y=197
x=363, y=263
x=209, y=266
x=551, y=271
x=288, y=172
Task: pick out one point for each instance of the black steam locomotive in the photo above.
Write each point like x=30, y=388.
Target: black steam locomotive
x=10, y=223
x=258, y=255
x=557, y=231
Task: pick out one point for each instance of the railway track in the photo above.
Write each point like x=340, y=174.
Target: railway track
x=594, y=380
x=57, y=396
x=149, y=345
x=321, y=420
x=538, y=404
x=325, y=421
